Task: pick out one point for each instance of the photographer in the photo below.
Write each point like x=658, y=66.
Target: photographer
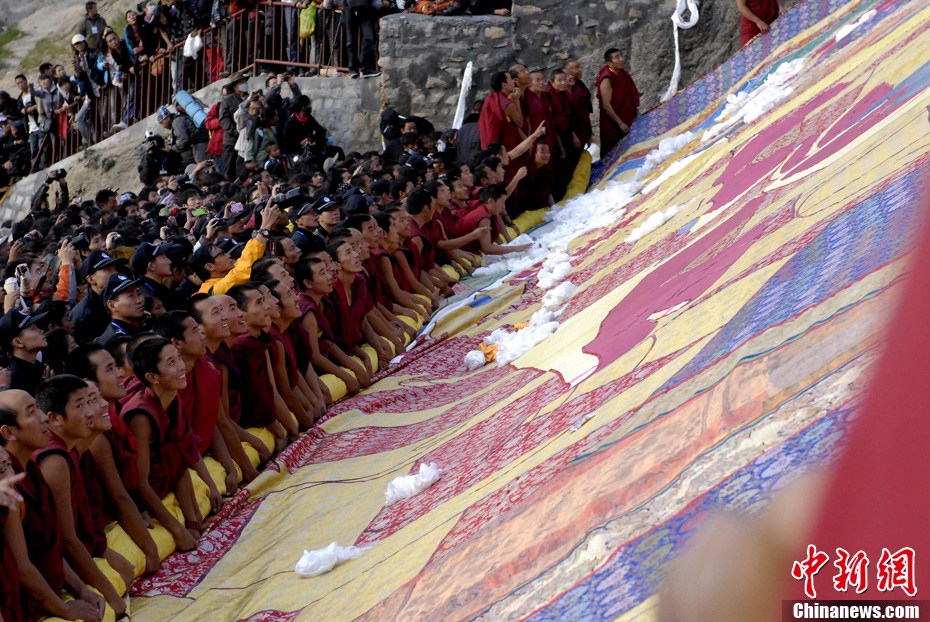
x=62, y=198
x=218, y=270
x=188, y=140
x=158, y=161
x=303, y=134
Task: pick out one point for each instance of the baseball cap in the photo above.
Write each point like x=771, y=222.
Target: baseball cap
x=380, y=186
x=163, y=113
x=78, y=39
x=145, y=254
x=325, y=203
x=14, y=322
x=97, y=260
x=299, y=210
x=117, y=284
x=230, y=247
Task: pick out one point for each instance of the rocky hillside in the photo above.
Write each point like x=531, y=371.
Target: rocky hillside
x=36, y=31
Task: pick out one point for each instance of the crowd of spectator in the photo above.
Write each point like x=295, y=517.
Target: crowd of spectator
x=259, y=274
x=166, y=45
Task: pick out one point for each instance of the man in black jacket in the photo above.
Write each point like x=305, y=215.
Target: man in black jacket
x=152, y=267
x=90, y=314
x=126, y=305
x=303, y=134
x=158, y=160
x=228, y=106
x=18, y=155
x=24, y=339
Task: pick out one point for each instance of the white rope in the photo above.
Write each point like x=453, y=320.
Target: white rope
x=463, y=96
x=677, y=23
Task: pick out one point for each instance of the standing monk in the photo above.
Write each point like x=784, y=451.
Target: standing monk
x=501, y=117
x=581, y=105
x=618, y=98
x=757, y=15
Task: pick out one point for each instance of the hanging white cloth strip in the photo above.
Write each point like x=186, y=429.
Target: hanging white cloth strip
x=677, y=23
x=463, y=96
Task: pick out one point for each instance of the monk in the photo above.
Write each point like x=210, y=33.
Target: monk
x=36, y=539
x=201, y=397
x=755, y=18
x=113, y=450
x=581, y=104
x=65, y=399
x=501, y=118
x=618, y=100
x=284, y=365
x=262, y=404
x=165, y=445
x=297, y=346
x=316, y=279
x=214, y=314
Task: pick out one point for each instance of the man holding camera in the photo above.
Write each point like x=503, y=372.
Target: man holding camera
x=158, y=160
x=221, y=272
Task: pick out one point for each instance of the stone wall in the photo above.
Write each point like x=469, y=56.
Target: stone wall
x=423, y=57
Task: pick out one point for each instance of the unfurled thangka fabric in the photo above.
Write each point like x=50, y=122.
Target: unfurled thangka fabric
x=731, y=270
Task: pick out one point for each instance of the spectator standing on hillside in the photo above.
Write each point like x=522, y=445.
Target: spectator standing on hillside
x=121, y=69
x=92, y=27
x=188, y=140
x=755, y=18
x=88, y=78
x=35, y=116
x=618, y=98
x=132, y=35
x=228, y=107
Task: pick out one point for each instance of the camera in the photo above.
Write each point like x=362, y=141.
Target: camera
x=292, y=198
x=11, y=286
x=57, y=174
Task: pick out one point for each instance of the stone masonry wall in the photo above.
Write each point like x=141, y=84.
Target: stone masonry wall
x=423, y=57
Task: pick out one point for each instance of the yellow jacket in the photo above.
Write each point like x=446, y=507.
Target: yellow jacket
x=240, y=273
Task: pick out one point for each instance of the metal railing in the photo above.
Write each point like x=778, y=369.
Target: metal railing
x=263, y=38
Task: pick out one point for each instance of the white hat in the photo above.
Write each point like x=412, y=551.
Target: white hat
x=78, y=39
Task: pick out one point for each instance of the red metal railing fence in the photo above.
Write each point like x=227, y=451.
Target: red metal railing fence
x=266, y=37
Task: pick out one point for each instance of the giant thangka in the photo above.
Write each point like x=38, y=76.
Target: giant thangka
x=694, y=332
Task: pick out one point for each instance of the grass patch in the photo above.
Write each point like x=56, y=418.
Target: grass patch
x=8, y=36
x=52, y=49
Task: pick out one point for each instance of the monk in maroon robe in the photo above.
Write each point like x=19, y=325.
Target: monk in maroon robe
x=755, y=18
x=618, y=100
x=501, y=119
